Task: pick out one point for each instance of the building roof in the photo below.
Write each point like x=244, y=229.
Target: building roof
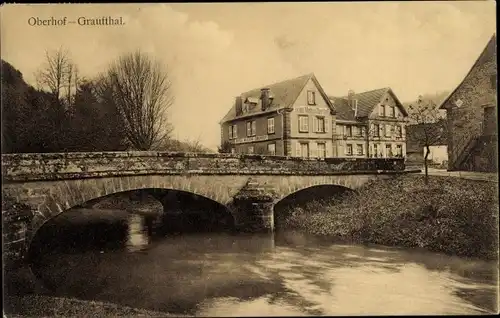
x=284, y=93
x=367, y=101
x=489, y=52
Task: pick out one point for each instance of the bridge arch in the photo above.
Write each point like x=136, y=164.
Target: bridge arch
x=59, y=196
x=334, y=187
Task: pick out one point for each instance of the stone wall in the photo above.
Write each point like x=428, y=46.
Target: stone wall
x=56, y=166
x=465, y=122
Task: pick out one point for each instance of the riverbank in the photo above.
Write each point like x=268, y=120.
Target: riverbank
x=49, y=306
x=449, y=215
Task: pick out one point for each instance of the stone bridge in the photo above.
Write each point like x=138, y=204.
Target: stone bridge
x=45, y=185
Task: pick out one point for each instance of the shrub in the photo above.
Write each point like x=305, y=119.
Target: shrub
x=448, y=215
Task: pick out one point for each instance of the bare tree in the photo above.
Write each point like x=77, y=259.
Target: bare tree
x=428, y=129
x=57, y=74
x=143, y=94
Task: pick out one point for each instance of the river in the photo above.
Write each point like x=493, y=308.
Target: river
x=287, y=273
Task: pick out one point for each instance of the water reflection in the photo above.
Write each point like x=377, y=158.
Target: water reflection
x=137, y=233
x=208, y=274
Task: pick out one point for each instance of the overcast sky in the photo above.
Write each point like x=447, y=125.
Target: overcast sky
x=216, y=51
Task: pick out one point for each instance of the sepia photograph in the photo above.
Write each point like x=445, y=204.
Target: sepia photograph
x=249, y=159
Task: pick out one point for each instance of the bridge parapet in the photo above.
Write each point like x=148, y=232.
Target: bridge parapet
x=54, y=166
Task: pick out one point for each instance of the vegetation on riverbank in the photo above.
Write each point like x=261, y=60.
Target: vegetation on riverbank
x=449, y=215
x=48, y=306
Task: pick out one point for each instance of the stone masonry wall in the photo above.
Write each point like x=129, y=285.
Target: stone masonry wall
x=465, y=122
x=50, y=166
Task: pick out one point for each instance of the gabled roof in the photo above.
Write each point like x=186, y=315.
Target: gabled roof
x=489, y=52
x=366, y=103
x=285, y=94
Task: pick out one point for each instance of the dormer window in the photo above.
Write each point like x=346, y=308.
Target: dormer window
x=252, y=100
x=311, y=97
x=354, y=104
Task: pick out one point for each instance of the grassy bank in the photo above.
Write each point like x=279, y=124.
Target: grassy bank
x=45, y=306
x=450, y=215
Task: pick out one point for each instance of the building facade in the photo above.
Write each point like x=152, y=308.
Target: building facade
x=370, y=124
x=296, y=118
x=471, y=114
x=289, y=118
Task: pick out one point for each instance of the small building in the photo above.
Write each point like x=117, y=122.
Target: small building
x=290, y=118
x=370, y=124
x=415, y=147
x=471, y=111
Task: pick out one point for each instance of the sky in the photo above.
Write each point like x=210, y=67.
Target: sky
x=215, y=51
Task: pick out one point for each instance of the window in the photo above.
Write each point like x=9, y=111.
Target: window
x=376, y=150
x=359, y=148
x=399, y=150
x=321, y=150
x=320, y=124
x=388, y=130
x=311, y=98
x=348, y=131
x=270, y=125
x=493, y=81
x=399, y=131
x=271, y=149
x=303, y=123
x=251, y=127
x=359, y=131
x=393, y=111
x=233, y=132
x=304, y=150
x=381, y=110
x=388, y=150
x=348, y=149
x=250, y=150
x=376, y=130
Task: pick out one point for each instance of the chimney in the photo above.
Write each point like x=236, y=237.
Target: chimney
x=265, y=98
x=353, y=103
x=239, y=105
x=350, y=97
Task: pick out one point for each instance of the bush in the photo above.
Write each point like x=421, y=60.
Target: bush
x=449, y=215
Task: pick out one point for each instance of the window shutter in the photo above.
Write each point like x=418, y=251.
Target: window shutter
x=327, y=124
x=235, y=131
x=315, y=124
x=230, y=131
x=297, y=149
x=345, y=130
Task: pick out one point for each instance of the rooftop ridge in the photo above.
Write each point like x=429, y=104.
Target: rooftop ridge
x=308, y=75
